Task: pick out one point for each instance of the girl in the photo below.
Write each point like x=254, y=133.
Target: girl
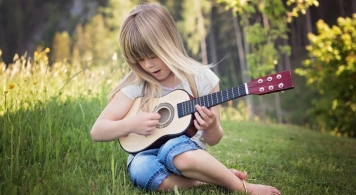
x=151, y=45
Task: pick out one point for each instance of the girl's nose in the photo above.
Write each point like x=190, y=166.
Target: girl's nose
x=149, y=63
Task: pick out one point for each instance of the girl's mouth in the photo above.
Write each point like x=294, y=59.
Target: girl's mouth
x=156, y=73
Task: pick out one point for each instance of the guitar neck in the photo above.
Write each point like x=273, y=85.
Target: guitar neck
x=210, y=100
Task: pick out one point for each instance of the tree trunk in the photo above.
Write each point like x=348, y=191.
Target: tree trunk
x=202, y=33
x=212, y=44
x=286, y=58
x=341, y=7
x=309, y=24
x=294, y=38
x=353, y=6
x=243, y=50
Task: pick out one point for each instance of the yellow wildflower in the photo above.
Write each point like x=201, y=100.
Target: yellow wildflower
x=47, y=50
x=6, y=91
x=11, y=86
x=34, y=82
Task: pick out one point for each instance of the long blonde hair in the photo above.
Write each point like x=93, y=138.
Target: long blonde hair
x=150, y=31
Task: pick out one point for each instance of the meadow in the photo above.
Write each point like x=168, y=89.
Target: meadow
x=46, y=114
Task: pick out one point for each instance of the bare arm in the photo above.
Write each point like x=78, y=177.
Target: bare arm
x=112, y=125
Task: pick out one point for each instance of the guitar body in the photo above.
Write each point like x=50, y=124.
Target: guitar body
x=169, y=126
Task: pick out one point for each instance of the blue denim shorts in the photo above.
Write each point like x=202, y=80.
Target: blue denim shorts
x=150, y=167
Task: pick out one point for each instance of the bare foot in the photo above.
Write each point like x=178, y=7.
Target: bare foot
x=257, y=189
x=239, y=174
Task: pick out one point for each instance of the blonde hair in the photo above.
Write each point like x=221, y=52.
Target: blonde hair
x=150, y=31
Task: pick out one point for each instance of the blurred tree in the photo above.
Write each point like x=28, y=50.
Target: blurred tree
x=25, y=24
x=194, y=26
x=97, y=41
x=331, y=71
x=61, y=47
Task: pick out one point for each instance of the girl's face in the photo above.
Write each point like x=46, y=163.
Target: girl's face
x=158, y=69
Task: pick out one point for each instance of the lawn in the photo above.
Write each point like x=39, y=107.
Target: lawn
x=49, y=151
x=45, y=145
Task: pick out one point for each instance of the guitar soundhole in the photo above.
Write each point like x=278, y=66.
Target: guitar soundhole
x=167, y=114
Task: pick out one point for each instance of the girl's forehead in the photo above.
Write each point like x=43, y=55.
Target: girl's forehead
x=139, y=49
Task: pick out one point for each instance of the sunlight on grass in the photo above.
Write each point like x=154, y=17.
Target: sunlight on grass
x=47, y=112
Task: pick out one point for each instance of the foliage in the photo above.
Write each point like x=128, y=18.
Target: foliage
x=331, y=71
x=61, y=47
x=263, y=36
x=299, y=6
x=97, y=40
x=194, y=25
x=92, y=42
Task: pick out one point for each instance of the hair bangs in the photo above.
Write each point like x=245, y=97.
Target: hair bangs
x=135, y=47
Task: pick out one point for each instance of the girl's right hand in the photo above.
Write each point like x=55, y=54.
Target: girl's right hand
x=144, y=123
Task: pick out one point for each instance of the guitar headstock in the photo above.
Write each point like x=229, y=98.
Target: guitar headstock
x=272, y=83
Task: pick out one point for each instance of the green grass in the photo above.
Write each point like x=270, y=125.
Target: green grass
x=49, y=151
x=45, y=145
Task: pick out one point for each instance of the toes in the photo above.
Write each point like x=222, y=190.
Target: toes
x=275, y=191
x=239, y=174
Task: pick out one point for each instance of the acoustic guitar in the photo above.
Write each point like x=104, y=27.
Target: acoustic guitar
x=177, y=110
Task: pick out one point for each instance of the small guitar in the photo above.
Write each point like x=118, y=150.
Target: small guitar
x=177, y=108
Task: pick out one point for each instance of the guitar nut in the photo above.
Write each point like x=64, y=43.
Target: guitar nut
x=262, y=89
x=260, y=81
x=270, y=87
x=279, y=76
x=269, y=78
x=280, y=85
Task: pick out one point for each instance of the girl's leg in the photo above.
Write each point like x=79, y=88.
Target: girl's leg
x=200, y=165
x=146, y=171
x=183, y=182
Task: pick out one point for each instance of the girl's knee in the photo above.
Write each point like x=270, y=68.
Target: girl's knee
x=180, y=146
x=146, y=172
x=186, y=160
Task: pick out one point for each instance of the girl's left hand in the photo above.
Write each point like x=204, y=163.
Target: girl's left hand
x=205, y=119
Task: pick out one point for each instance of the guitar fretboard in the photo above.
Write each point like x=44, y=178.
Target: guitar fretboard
x=188, y=107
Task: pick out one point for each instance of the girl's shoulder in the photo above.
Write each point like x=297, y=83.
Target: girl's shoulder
x=132, y=91
x=206, y=81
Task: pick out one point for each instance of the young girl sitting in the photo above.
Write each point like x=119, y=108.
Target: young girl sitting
x=152, y=47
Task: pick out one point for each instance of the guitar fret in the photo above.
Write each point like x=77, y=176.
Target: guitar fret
x=217, y=101
x=187, y=107
x=219, y=97
x=212, y=100
x=207, y=100
x=190, y=107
